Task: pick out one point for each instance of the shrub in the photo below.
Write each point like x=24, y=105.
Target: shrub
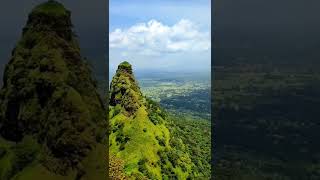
x=142, y=166
x=117, y=110
x=161, y=141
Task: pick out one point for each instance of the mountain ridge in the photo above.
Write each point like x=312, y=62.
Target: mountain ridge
x=138, y=132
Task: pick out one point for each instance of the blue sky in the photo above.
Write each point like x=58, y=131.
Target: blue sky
x=161, y=35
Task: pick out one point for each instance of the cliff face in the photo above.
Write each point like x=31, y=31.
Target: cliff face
x=48, y=92
x=138, y=133
x=124, y=89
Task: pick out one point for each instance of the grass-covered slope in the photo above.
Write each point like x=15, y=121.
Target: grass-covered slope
x=138, y=133
x=49, y=104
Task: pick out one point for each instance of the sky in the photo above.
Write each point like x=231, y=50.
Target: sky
x=90, y=24
x=160, y=35
x=277, y=29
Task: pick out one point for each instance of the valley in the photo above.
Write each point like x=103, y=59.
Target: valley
x=266, y=121
x=179, y=93
x=186, y=98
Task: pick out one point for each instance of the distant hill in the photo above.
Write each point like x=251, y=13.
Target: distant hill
x=52, y=119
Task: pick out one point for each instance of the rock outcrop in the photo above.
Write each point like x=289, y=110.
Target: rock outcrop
x=124, y=89
x=49, y=93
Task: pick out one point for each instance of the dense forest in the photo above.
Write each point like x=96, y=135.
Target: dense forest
x=196, y=135
x=266, y=121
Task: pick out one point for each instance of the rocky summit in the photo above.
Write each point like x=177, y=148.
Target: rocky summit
x=124, y=89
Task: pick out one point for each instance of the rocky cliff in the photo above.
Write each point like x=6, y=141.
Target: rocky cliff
x=49, y=95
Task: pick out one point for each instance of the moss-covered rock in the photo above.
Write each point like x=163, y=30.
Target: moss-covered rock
x=51, y=7
x=124, y=89
x=49, y=93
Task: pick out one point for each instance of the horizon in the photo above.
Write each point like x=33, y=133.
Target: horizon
x=152, y=73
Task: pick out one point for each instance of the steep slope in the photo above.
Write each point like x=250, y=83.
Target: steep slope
x=138, y=133
x=50, y=100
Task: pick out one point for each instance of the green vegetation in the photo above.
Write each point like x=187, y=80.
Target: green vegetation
x=140, y=138
x=187, y=101
x=193, y=135
x=49, y=104
x=126, y=66
x=51, y=8
x=268, y=125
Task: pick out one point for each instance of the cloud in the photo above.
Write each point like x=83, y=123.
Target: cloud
x=155, y=38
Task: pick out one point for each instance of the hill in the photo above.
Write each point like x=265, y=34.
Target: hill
x=52, y=119
x=139, y=135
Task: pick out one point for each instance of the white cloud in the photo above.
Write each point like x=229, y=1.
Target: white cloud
x=155, y=38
